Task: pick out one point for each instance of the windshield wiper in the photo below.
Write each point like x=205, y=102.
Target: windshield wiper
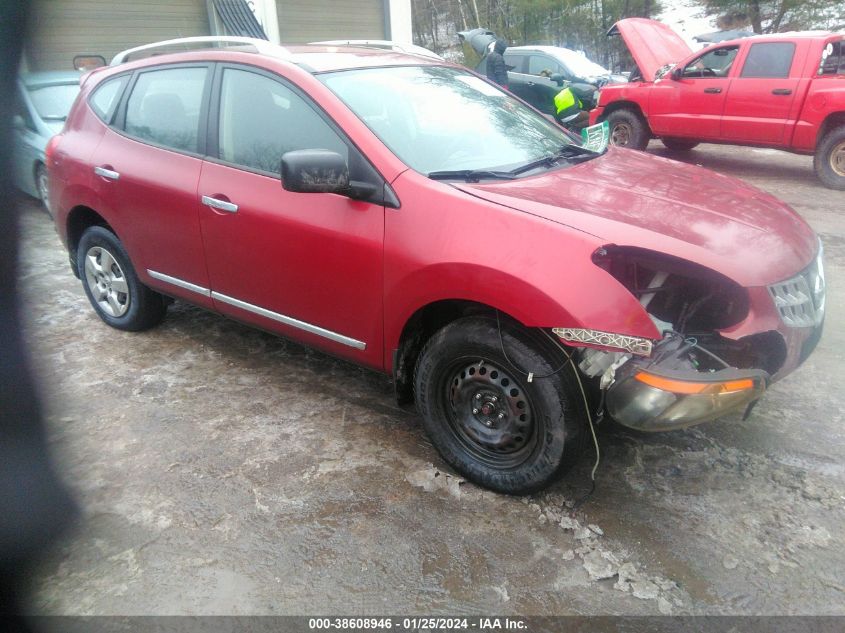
x=471, y=175
x=570, y=153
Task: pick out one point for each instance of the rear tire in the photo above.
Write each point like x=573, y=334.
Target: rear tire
x=42, y=186
x=483, y=416
x=678, y=144
x=628, y=129
x=112, y=286
x=829, y=159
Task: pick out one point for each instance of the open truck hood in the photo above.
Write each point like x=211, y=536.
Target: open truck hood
x=631, y=198
x=652, y=44
x=478, y=39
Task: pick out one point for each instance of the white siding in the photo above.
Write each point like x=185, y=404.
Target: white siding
x=301, y=22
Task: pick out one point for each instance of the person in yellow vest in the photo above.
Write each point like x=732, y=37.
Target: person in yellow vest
x=569, y=111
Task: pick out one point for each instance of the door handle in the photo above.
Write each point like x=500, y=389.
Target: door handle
x=781, y=91
x=712, y=91
x=106, y=173
x=214, y=203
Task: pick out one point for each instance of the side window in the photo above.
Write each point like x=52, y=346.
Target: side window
x=716, y=63
x=164, y=107
x=261, y=119
x=769, y=60
x=833, y=59
x=105, y=97
x=538, y=63
x=517, y=61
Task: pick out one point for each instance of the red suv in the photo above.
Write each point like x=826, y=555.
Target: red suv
x=405, y=214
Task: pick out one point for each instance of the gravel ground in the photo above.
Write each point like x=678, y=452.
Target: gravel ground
x=221, y=470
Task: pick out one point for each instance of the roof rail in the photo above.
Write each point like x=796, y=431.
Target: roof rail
x=411, y=49
x=262, y=47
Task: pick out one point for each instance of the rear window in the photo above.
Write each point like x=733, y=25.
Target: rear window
x=105, y=97
x=769, y=60
x=833, y=59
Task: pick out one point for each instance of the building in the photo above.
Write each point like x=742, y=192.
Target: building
x=62, y=29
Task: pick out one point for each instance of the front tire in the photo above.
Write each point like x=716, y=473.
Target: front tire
x=112, y=286
x=483, y=416
x=829, y=159
x=628, y=129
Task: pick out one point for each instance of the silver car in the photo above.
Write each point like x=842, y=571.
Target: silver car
x=43, y=101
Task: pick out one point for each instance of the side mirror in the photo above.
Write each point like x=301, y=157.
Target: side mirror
x=557, y=78
x=315, y=171
x=322, y=171
x=676, y=74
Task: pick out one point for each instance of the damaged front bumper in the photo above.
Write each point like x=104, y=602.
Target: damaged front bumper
x=722, y=345
x=647, y=397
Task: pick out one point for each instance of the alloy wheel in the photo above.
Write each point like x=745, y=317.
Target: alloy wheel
x=106, y=281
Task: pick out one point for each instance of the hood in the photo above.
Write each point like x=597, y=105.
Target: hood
x=630, y=198
x=652, y=44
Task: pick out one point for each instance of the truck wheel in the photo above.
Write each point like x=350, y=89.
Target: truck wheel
x=113, y=288
x=678, y=144
x=627, y=129
x=829, y=160
x=485, y=418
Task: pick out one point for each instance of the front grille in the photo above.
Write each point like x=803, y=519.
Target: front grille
x=800, y=300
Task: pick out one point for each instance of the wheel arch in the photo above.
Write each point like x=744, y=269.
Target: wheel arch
x=424, y=323
x=79, y=219
x=633, y=106
x=831, y=121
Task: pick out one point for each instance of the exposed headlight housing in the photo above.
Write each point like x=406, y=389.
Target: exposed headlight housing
x=631, y=344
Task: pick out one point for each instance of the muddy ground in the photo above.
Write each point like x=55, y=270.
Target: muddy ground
x=221, y=470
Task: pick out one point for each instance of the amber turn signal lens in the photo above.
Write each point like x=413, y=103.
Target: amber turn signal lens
x=684, y=387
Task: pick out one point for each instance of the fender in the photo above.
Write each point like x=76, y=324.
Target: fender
x=575, y=306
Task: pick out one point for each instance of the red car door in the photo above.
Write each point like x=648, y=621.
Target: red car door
x=689, y=102
x=146, y=172
x=305, y=265
x=761, y=96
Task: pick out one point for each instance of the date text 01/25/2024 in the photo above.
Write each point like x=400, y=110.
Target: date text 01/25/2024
x=417, y=624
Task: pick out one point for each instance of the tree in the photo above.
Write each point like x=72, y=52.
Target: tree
x=578, y=24
x=774, y=16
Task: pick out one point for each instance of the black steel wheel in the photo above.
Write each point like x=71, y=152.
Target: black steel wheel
x=489, y=412
x=485, y=418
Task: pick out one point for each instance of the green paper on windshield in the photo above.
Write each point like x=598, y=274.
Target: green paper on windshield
x=596, y=137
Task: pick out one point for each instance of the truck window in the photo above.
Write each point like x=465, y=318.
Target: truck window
x=833, y=59
x=716, y=63
x=769, y=60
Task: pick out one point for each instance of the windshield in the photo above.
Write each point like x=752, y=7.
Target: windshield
x=579, y=65
x=439, y=119
x=53, y=102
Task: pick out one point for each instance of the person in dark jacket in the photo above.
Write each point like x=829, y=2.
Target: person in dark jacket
x=497, y=70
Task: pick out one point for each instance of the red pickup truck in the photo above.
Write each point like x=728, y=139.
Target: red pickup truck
x=785, y=91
